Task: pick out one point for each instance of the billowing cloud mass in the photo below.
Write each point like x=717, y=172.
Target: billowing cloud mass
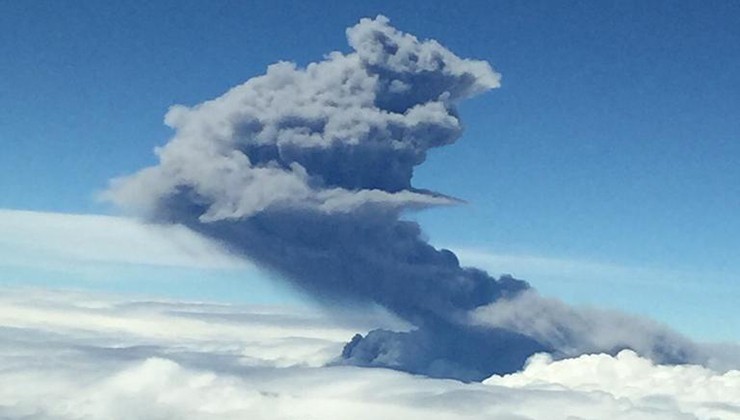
x=74, y=356
x=307, y=171
x=341, y=135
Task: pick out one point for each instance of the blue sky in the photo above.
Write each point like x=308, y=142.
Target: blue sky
x=604, y=170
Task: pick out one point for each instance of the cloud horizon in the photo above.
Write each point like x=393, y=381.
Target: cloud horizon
x=71, y=355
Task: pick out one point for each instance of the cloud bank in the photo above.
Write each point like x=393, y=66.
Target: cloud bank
x=35, y=238
x=66, y=355
x=307, y=171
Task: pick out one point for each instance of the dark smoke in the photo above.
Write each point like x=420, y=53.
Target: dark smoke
x=307, y=172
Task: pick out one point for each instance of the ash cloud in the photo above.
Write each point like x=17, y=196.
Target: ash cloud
x=339, y=136
x=307, y=171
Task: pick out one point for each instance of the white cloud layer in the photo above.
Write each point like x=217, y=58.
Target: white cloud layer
x=67, y=355
x=33, y=238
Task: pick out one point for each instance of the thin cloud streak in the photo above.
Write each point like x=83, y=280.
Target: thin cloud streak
x=537, y=266
x=30, y=238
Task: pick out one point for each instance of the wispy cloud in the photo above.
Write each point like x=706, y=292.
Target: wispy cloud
x=38, y=238
x=569, y=269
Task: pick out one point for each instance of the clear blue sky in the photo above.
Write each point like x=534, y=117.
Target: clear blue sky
x=614, y=139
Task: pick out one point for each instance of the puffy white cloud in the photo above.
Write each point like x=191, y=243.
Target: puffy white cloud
x=66, y=355
x=689, y=389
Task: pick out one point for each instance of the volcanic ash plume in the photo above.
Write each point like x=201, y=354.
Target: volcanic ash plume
x=307, y=171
